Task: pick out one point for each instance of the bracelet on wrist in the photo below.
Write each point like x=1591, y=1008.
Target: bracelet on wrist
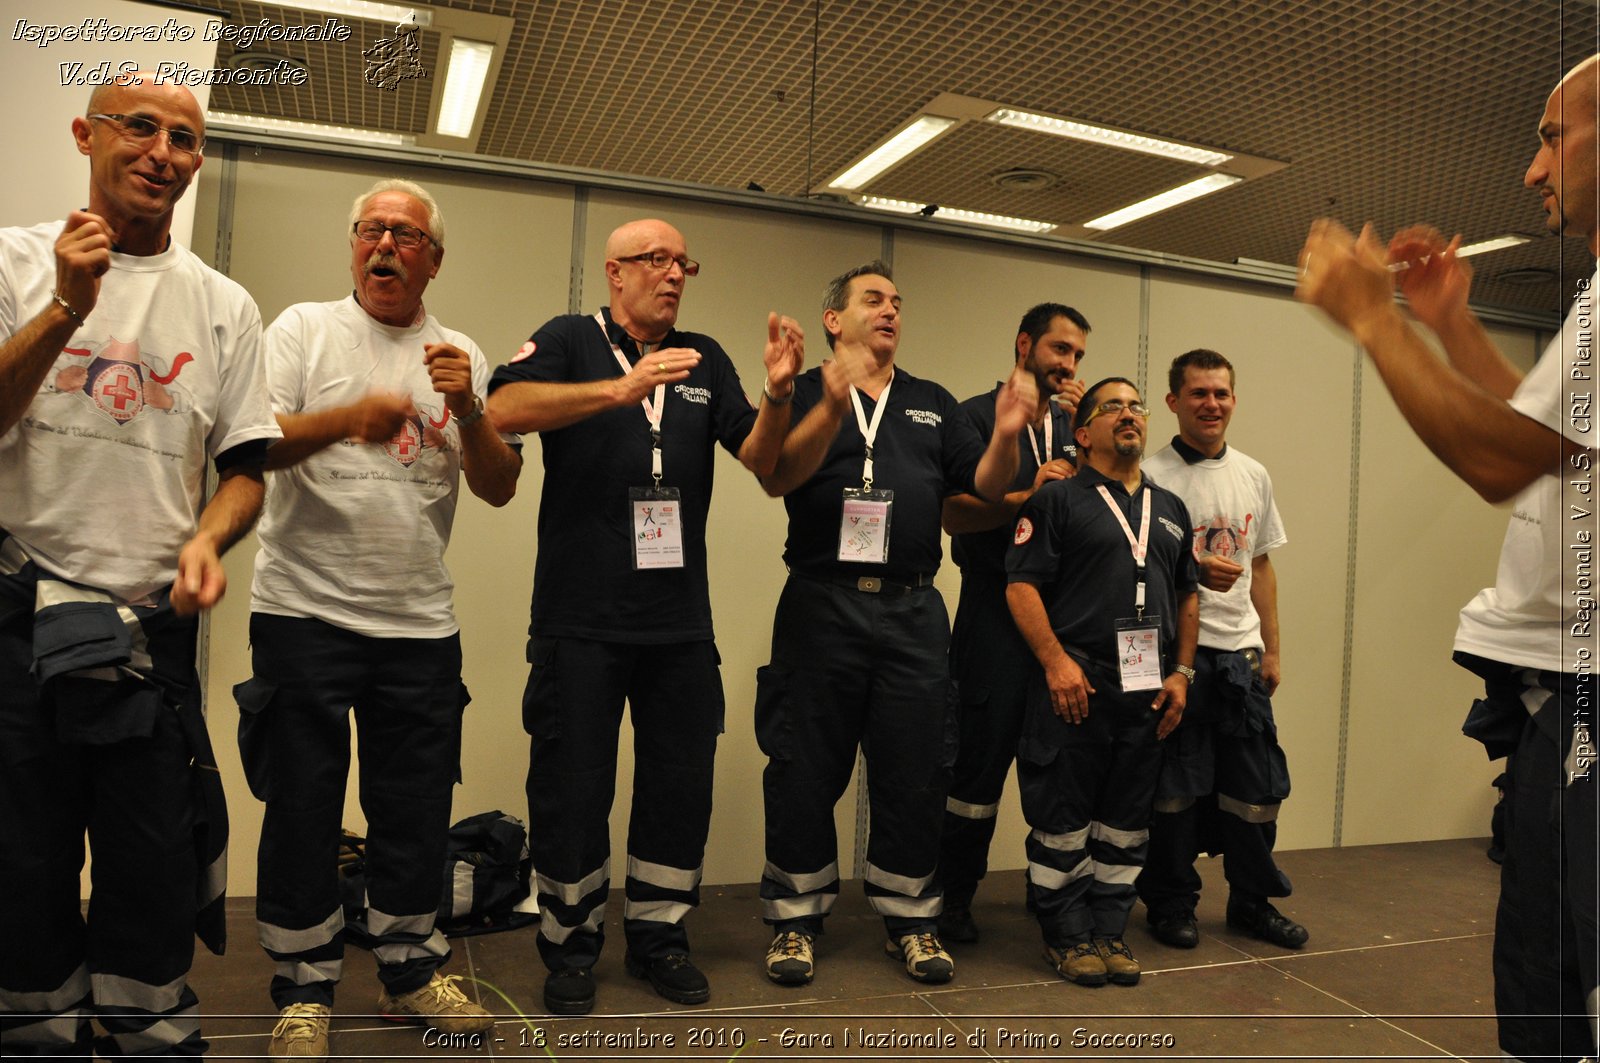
x=766, y=391
x=63, y=304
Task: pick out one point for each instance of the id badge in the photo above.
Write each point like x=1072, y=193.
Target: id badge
x=1139, y=653
x=657, y=527
x=864, y=526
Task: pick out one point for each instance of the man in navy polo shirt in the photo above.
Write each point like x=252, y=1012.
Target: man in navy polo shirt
x=629, y=410
x=988, y=659
x=1102, y=587
x=860, y=634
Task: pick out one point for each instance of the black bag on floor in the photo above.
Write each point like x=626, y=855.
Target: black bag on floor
x=486, y=873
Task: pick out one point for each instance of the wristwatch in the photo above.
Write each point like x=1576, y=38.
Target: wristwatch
x=1185, y=671
x=475, y=416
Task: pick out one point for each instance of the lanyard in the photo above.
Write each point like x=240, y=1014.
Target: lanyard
x=1140, y=546
x=652, y=410
x=1049, y=443
x=869, y=432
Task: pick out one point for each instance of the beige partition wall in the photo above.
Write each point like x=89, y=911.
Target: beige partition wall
x=1384, y=544
x=1426, y=545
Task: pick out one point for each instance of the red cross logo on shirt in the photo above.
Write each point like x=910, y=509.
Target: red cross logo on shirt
x=406, y=445
x=119, y=391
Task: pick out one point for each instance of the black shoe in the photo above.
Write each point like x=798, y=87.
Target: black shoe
x=957, y=924
x=569, y=991
x=672, y=976
x=1177, y=929
x=1267, y=923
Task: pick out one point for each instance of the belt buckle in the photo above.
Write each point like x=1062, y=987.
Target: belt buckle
x=1251, y=655
x=869, y=584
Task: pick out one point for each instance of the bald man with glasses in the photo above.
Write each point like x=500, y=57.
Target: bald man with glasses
x=629, y=410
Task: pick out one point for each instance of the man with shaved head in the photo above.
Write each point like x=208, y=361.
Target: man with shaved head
x=629, y=410
x=125, y=366
x=1528, y=439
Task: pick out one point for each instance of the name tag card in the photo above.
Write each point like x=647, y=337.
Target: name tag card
x=1139, y=653
x=864, y=526
x=657, y=528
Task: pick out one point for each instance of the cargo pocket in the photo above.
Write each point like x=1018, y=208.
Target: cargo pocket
x=254, y=697
x=722, y=699
x=1277, y=767
x=956, y=710
x=466, y=699
x=541, y=698
x=774, y=722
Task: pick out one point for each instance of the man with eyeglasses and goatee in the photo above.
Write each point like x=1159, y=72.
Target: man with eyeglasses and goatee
x=1102, y=584
x=382, y=413
x=629, y=410
x=126, y=365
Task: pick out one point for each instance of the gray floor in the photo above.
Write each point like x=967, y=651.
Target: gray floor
x=1397, y=968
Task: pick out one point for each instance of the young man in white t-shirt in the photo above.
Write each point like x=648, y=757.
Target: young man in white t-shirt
x=1528, y=439
x=382, y=412
x=1223, y=772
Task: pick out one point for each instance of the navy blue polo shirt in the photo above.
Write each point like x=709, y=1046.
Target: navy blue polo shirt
x=925, y=450
x=1068, y=543
x=984, y=553
x=584, y=582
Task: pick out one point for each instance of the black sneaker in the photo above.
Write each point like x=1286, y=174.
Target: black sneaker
x=672, y=976
x=1177, y=929
x=957, y=924
x=1267, y=923
x=569, y=991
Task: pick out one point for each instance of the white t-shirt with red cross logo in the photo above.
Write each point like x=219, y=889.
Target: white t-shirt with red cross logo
x=355, y=535
x=101, y=480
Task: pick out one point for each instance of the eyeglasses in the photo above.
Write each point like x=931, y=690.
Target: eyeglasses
x=660, y=261
x=406, y=236
x=142, y=130
x=1138, y=409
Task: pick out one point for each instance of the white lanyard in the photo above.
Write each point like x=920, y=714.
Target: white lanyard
x=869, y=432
x=1049, y=443
x=1141, y=545
x=652, y=410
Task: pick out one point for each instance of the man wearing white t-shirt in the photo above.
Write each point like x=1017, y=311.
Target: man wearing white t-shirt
x=382, y=411
x=1223, y=773
x=1528, y=439
x=126, y=364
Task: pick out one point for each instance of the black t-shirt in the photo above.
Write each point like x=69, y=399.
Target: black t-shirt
x=984, y=553
x=584, y=582
x=1068, y=543
x=925, y=449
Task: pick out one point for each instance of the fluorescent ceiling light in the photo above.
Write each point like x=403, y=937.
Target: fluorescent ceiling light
x=1203, y=186
x=390, y=14
x=309, y=129
x=463, y=86
x=911, y=138
x=1484, y=246
x=898, y=206
x=971, y=217
x=1111, y=138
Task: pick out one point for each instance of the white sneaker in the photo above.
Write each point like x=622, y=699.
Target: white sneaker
x=439, y=1004
x=789, y=958
x=302, y=1032
x=926, y=960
